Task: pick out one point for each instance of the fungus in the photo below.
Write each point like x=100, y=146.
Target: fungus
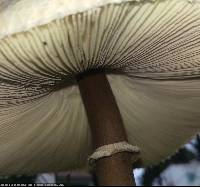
x=149, y=53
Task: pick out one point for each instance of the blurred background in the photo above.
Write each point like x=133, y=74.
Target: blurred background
x=182, y=169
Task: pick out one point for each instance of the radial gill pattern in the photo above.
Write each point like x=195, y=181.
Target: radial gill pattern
x=153, y=48
x=151, y=40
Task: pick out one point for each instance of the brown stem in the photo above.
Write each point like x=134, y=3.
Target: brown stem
x=107, y=128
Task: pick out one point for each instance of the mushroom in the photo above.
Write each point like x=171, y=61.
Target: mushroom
x=136, y=64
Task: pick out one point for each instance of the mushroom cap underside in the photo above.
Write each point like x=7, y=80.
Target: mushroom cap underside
x=151, y=54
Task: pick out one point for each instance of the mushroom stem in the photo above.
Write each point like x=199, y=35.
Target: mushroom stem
x=107, y=128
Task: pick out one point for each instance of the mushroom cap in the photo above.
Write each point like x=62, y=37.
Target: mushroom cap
x=22, y=15
x=149, y=49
